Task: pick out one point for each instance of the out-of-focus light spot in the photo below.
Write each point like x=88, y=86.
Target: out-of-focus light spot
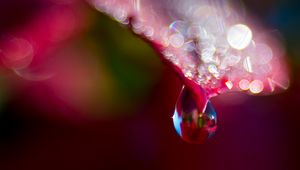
x=207, y=54
x=178, y=27
x=264, y=69
x=137, y=26
x=120, y=16
x=101, y=6
x=216, y=25
x=149, y=31
x=229, y=84
x=232, y=59
x=189, y=46
x=239, y=36
x=213, y=69
x=248, y=65
x=188, y=74
x=203, y=34
x=17, y=53
x=244, y=84
x=264, y=53
x=273, y=84
x=164, y=36
x=256, y=86
x=176, y=40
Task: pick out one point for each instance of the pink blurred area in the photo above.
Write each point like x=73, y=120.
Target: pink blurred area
x=39, y=58
x=78, y=91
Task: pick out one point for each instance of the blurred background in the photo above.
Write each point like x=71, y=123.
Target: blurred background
x=80, y=91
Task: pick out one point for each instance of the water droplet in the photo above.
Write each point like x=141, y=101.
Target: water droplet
x=192, y=125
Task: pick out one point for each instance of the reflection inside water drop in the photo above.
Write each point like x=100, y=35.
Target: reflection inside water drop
x=192, y=125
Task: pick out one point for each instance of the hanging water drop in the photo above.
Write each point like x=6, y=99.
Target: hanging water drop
x=192, y=124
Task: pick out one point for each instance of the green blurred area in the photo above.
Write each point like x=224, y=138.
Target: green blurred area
x=129, y=66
